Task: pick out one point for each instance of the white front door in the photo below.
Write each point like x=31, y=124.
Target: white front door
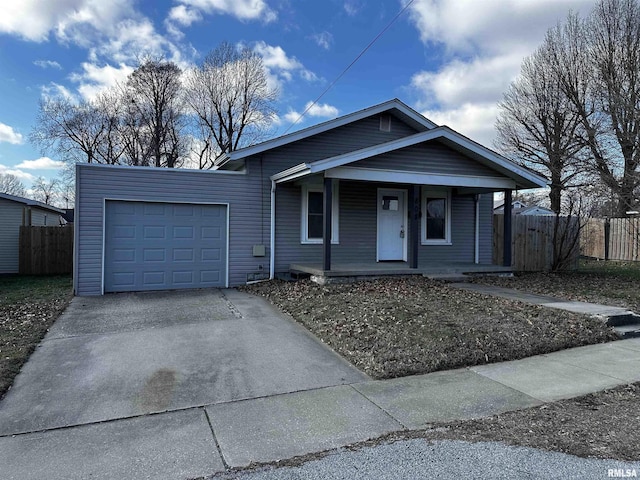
x=392, y=218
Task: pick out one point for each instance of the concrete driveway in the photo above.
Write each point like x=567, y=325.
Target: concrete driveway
x=127, y=355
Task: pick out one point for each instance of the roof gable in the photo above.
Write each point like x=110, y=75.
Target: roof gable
x=523, y=177
x=395, y=107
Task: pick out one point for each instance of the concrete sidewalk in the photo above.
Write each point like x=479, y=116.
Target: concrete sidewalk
x=203, y=440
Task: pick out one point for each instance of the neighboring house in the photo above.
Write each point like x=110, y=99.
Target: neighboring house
x=383, y=188
x=15, y=212
x=536, y=210
x=516, y=205
x=520, y=208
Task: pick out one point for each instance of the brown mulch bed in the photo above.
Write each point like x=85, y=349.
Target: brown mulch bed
x=403, y=326
x=28, y=307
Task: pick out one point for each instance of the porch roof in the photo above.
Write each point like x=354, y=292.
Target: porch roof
x=508, y=174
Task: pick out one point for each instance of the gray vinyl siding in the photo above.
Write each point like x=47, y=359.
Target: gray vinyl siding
x=355, y=136
x=10, y=219
x=430, y=158
x=97, y=183
x=44, y=218
x=358, y=228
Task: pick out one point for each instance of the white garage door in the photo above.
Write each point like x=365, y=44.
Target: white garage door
x=164, y=246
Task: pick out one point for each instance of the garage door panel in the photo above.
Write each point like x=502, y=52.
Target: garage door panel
x=154, y=232
x=151, y=246
x=183, y=255
x=153, y=209
x=154, y=255
x=183, y=233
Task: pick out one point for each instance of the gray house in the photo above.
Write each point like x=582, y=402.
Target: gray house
x=381, y=190
x=14, y=213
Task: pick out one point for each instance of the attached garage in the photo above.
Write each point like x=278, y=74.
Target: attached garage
x=143, y=228
x=164, y=246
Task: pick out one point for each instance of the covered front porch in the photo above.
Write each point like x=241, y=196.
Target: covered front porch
x=421, y=205
x=360, y=270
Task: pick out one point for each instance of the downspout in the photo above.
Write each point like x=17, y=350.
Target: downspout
x=272, y=241
x=476, y=201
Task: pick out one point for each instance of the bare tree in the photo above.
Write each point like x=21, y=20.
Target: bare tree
x=154, y=96
x=12, y=185
x=231, y=99
x=46, y=191
x=597, y=64
x=74, y=130
x=537, y=126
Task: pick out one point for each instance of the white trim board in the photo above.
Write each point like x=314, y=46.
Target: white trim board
x=418, y=178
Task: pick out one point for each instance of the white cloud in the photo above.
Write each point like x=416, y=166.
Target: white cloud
x=474, y=120
x=94, y=79
x=54, y=90
x=323, y=39
x=47, y=64
x=181, y=16
x=9, y=135
x=280, y=67
x=184, y=16
x=484, y=43
x=241, y=9
x=4, y=170
x=34, y=20
x=42, y=163
x=479, y=80
x=319, y=110
x=490, y=25
x=352, y=7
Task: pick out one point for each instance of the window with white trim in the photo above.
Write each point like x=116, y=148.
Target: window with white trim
x=312, y=214
x=436, y=217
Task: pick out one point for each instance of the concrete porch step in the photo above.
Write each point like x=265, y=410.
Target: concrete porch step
x=628, y=331
x=448, y=277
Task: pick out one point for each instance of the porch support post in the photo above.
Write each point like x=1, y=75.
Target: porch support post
x=414, y=225
x=507, y=229
x=326, y=229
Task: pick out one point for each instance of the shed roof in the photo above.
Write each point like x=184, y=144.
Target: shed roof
x=31, y=203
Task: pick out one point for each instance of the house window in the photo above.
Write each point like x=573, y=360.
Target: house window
x=312, y=214
x=436, y=217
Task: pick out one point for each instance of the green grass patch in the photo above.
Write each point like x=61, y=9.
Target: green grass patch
x=28, y=307
x=610, y=268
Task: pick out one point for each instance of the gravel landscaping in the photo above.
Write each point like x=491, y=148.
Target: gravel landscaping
x=28, y=307
x=395, y=327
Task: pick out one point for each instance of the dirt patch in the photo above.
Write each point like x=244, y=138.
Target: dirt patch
x=28, y=307
x=404, y=326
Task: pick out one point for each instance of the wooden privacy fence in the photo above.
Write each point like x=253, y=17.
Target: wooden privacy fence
x=619, y=241
x=46, y=250
x=532, y=241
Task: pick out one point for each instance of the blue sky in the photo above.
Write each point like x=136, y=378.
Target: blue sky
x=449, y=59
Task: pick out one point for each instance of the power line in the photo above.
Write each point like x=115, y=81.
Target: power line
x=351, y=64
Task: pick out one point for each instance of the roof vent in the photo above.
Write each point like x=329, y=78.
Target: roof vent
x=385, y=123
